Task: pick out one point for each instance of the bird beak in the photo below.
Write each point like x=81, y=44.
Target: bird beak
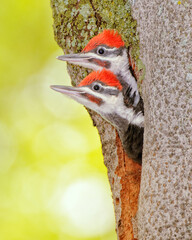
x=73, y=92
x=75, y=58
x=79, y=94
x=87, y=60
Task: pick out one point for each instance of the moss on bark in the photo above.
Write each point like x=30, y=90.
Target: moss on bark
x=75, y=23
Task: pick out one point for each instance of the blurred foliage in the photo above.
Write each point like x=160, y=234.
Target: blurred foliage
x=53, y=183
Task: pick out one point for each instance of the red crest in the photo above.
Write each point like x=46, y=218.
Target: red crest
x=105, y=76
x=110, y=38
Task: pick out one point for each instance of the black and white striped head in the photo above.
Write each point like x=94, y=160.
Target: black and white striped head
x=101, y=91
x=106, y=50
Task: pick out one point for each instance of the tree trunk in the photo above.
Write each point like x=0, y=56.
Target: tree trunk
x=165, y=30
x=165, y=45
x=75, y=23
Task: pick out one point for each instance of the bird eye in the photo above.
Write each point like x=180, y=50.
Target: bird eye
x=96, y=87
x=101, y=51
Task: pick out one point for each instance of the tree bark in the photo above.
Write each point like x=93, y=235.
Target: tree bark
x=75, y=23
x=165, y=206
x=165, y=28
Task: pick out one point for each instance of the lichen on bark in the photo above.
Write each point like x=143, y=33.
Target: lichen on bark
x=75, y=23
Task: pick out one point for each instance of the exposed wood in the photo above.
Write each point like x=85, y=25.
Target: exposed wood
x=130, y=174
x=75, y=23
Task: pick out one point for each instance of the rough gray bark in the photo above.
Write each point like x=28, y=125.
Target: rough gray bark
x=165, y=207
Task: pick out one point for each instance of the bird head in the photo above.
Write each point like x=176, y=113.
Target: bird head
x=101, y=91
x=106, y=50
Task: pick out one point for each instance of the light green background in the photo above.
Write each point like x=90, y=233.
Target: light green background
x=53, y=183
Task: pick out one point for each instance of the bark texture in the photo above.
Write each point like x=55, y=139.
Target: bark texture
x=75, y=23
x=165, y=207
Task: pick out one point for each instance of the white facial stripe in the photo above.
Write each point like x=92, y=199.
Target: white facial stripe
x=98, y=94
x=131, y=117
x=101, y=57
x=109, y=50
x=110, y=88
x=115, y=104
x=124, y=112
x=139, y=120
x=112, y=103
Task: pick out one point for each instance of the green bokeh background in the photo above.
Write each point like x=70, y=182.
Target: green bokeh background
x=53, y=183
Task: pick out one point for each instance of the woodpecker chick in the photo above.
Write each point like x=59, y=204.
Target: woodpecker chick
x=107, y=50
x=102, y=92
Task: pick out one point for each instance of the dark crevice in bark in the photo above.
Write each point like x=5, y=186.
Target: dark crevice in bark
x=97, y=16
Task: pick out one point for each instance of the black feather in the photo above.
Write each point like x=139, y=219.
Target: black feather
x=132, y=141
x=132, y=138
